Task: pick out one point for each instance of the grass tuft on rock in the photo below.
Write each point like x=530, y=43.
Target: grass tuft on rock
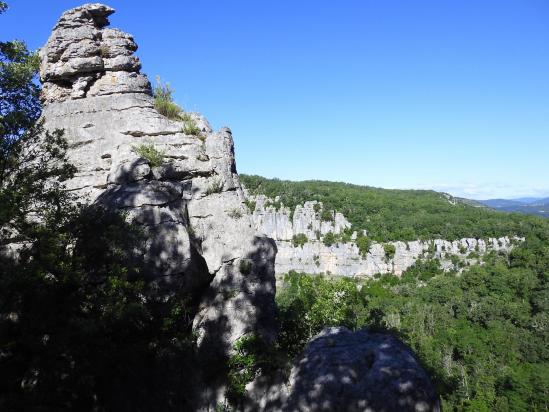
x=163, y=101
x=190, y=127
x=150, y=153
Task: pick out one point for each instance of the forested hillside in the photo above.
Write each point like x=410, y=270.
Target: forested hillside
x=389, y=214
x=482, y=334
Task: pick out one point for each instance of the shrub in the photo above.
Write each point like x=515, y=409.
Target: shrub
x=215, y=187
x=250, y=204
x=252, y=356
x=151, y=154
x=390, y=250
x=190, y=128
x=363, y=243
x=299, y=240
x=327, y=215
x=163, y=101
x=329, y=239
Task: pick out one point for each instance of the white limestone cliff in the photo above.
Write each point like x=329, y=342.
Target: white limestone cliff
x=345, y=258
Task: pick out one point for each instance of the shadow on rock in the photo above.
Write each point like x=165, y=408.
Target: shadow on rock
x=340, y=370
x=239, y=302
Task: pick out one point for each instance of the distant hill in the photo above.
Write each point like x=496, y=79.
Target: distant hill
x=389, y=214
x=525, y=205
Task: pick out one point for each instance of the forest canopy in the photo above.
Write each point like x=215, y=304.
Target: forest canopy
x=389, y=214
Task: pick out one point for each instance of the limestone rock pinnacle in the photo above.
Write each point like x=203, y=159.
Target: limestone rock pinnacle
x=83, y=57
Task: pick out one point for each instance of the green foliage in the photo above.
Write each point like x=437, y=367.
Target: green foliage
x=482, y=334
x=163, y=101
x=85, y=329
x=308, y=303
x=422, y=270
x=346, y=235
x=390, y=215
x=215, y=187
x=252, y=356
x=33, y=162
x=190, y=127
x=80, y=326
x=363, y=243
x=276, y=204
x=329, y=239
x=327, y=215
x=250, y=204
x=299, y=240
x=151, y=154
x=164, y=104
x=389, y=250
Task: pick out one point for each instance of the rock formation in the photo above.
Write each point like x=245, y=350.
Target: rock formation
x=199, y=234
x=345, y=258
x=344, y=371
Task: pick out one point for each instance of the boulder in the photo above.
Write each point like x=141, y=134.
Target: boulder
x=344, y=371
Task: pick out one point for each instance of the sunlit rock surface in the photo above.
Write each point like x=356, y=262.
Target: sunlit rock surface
x=190, y=207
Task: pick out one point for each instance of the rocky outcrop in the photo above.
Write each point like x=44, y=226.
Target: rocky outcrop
x=340, y=370
x=345, y=258
x=199, y=235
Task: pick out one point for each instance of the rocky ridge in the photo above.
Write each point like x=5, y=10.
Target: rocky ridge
x=345, y=258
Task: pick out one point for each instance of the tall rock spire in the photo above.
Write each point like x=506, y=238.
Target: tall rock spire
x=84, y=58
x=190, y=205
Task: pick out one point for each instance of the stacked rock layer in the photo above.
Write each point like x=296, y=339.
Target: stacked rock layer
x=199, y=235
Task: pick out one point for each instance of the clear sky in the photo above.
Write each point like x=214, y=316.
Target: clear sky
x=451, y=95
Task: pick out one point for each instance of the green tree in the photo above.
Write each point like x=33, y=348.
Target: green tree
x=81, y=325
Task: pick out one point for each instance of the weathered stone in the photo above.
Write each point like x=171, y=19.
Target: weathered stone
x=80, y=47
x=120, y=82
x=199, y=236
x=346, y=371
x=118, y=63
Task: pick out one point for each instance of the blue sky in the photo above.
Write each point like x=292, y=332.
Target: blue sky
x=451, y=95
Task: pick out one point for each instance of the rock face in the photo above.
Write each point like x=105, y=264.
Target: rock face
x=345, y=258
x=199, y=233
x=346, y=371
